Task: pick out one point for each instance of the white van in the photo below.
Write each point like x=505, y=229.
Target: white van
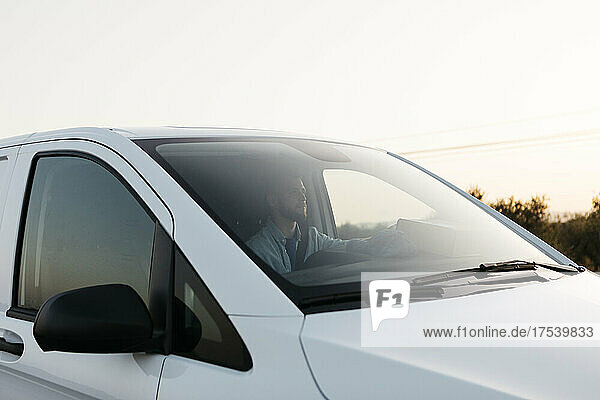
x=183, y=263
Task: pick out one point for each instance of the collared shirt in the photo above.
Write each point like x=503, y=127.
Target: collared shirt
x=269, y=244
x=291, y=246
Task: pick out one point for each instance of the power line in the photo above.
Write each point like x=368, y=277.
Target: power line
x=510, y=144
x=481, y=126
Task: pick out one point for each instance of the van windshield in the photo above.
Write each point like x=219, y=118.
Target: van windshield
x=318, y=214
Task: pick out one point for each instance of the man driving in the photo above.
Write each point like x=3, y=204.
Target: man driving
x=277, y=243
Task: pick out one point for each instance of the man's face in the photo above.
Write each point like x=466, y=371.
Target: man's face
x=292, y=200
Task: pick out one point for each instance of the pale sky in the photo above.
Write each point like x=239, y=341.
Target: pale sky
x=407, y=76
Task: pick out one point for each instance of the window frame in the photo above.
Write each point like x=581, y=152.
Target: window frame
x=325, y=203
x=29, y=314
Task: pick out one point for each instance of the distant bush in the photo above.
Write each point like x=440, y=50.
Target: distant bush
x=351, y=231
x=577, y=235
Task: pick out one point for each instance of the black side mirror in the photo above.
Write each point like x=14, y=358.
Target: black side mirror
x=97, y=319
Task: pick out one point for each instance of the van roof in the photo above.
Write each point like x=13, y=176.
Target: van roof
x=179, y=131
x=144, y=133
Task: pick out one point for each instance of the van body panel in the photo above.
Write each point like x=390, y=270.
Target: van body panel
x=279, y=368
x=77, y=376
x=14, y=141
x=528, y=371
x=101, y=135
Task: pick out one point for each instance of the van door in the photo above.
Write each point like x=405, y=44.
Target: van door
x=76, y=215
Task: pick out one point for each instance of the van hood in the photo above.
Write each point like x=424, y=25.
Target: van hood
x=344, y=369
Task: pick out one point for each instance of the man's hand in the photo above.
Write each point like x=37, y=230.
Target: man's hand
x=390, y=242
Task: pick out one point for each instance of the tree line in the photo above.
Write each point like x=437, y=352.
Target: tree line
x=576, y=235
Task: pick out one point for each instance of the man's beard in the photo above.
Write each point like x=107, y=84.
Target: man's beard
x=296, y=214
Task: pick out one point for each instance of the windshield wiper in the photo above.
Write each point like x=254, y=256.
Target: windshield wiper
x=504, y=266
x=515, y=265
x=483, y=268
x=520, y=265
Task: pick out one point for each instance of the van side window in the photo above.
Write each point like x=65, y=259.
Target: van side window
x=83, y=227
x=202, y=330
